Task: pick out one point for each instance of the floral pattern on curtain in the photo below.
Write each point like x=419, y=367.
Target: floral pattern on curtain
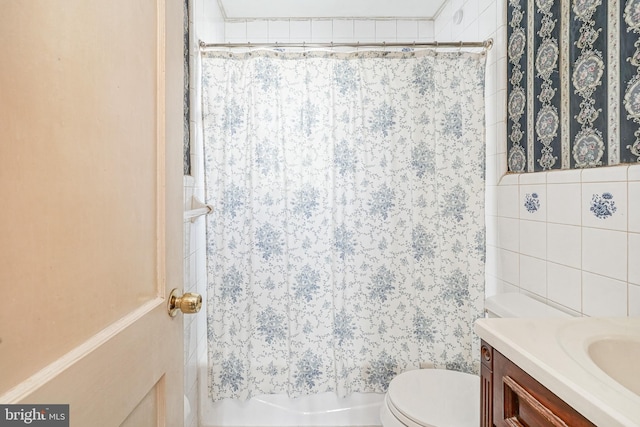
x=348, y=239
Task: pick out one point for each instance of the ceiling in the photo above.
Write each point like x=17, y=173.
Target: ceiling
x=305, y=9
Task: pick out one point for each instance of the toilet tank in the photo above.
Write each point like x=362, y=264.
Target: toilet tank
x=519, y=305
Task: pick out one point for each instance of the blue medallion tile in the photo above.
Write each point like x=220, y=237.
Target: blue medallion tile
x=532, y=202
x=603, y=206
x=532, y=198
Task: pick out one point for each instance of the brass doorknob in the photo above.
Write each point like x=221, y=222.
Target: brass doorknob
x=187, y=303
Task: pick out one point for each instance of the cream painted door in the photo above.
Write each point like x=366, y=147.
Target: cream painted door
x=91, y=220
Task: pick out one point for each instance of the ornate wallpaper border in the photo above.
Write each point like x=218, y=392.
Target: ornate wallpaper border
x=517, y=79
x=629, y=17
x=186, y=143
x=573, y=92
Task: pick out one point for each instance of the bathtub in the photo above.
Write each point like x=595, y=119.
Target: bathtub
x=326, y=409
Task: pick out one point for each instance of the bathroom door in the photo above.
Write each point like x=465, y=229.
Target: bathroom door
x=91, y=216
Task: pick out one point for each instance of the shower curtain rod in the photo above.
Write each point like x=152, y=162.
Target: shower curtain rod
x=487, y=44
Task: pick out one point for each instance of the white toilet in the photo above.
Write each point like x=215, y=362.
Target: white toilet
x=442, y=398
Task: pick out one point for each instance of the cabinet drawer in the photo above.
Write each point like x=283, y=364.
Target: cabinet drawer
x=516, y=399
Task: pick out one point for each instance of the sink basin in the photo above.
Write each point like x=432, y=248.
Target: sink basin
x=591, y=363
x=618, y=357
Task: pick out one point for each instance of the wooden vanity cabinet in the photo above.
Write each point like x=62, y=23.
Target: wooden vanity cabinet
x=511, y=397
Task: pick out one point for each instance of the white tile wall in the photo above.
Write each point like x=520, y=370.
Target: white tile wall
x=602, y=296
x=255, y=32
x=564, y=243
x=386, y=30
x=343, y=29
x=300, y=31
x=407, y=31
x=321, y=31
x=564, y=201
x=278, y=30
x=508, y=234
x=633, y=202
x=634, y=257
x=533, y=238
x=533, y=275
x=590, y=264
x=206, y=24
x=426, y=31
x=508, y=200
x=634, y=300
x=327, y=30
x=508, y=267
x=190, y=324
x=608, y=174
x=604, y=252
x=564, y=286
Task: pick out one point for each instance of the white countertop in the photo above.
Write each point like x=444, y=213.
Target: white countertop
x=554, y=352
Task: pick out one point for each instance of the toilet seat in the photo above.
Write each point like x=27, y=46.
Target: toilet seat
x=432, y=398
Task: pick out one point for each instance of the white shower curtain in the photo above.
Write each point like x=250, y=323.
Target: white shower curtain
x=347, y=244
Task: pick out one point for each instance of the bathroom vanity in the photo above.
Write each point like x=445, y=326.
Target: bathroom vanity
x=511, y=397
x=560, y=372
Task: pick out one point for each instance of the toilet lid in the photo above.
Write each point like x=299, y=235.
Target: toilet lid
x=435, y=397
